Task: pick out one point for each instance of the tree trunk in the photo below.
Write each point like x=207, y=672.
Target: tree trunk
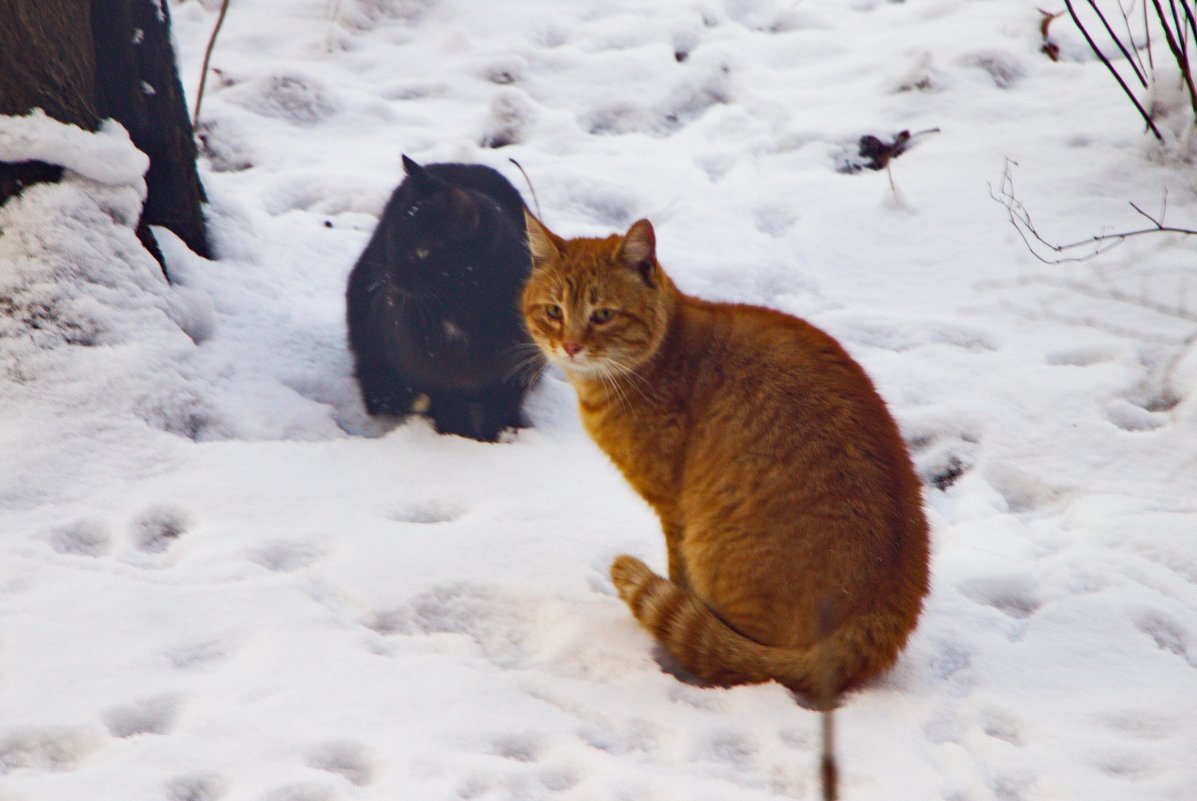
x=47, y=62
x=83, y=60
x=137, y=83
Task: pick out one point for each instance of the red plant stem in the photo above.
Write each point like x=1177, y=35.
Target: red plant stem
x=199, y=96
x=1129, y=60
x=1093, y=46
x=1178, y=52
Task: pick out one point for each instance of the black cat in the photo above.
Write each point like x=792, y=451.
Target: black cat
x=433, y=303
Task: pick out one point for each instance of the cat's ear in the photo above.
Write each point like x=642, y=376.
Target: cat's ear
x=638, y=250
x=420, y=176
x=541, y=242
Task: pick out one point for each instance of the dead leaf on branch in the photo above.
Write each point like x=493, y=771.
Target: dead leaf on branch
x=876, y=154
x=1049, y=48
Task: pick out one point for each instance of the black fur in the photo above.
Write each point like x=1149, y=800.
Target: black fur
x=433, y=302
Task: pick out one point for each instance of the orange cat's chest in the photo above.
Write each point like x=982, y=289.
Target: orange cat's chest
x=644, y=437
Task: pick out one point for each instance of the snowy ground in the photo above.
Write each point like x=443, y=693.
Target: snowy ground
x=220, y=580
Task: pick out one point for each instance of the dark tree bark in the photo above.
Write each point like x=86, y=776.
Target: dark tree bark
x=137, y=83
x=83, y=60
x=46, y=61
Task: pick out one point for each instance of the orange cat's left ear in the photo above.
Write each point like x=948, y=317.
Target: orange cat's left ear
x=638, y=250
x=540, y=241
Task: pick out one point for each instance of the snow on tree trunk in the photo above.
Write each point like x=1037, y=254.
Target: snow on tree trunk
x=81, y=62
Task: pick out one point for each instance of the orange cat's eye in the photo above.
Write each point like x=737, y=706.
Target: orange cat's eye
x=601, y=316
x=553, y=311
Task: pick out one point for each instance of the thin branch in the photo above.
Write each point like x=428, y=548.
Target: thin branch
x=1151, y=219
x=1175, y=21
x=1129, y=60
x=1114, y=72
x=1147, y=33
x=1130, y=35
x=1020, y=218
x=334, y=12
x=1179, y=54
x=1191, y=20
x=532, y=188
x=199, y=96
x=1186, y=68
x=829, y=773
x=1182, y=34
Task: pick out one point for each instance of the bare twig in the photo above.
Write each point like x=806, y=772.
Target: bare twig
x=1129, y=59
x=1180, y=26
x=1147, y=33
x=1114, y=72
x=1163, y=210
x=829, y=774
x=1020, y=218
x=531, y=188
x=1178, y=52
x=1190, y=19
x=199, y=95
x=1130, y=37
x=334, y=13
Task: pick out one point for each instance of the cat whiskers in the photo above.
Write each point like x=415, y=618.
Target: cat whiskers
x=635, y=380
x=529, y=363
x=610, y=373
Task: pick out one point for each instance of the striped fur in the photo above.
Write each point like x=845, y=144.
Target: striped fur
x=715, y=652
x=798, y=549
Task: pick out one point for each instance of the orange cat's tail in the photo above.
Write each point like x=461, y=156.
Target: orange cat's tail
x=714, y=652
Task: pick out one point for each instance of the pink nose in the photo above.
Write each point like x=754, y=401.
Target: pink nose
x=571, y=348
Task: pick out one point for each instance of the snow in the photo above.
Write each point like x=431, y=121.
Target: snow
x=106, y=156
x=220, y=579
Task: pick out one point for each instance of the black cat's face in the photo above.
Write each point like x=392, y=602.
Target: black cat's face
x=441, y=235
x=436, y=236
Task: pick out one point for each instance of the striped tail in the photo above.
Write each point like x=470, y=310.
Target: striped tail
x=704, y=644
x=713, y=651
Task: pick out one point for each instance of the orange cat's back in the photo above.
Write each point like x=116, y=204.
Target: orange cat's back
x=793, y=472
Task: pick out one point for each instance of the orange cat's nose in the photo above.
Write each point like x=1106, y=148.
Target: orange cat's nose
x=571, y=348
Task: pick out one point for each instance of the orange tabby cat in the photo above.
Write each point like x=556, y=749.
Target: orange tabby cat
x=793, y=519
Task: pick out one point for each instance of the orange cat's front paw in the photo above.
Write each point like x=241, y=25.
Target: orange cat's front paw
x=627, y=574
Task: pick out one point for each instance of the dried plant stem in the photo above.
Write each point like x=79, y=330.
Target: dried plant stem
x=199, y=95
x=531, y=188
x=1191, y=19
x=1179, y=51
x=1129, y=59
x=1114, y=72
x=1130, y=37
x=1180, y=26
x=1147, y=33
x=829, y=774
x=1020, y=218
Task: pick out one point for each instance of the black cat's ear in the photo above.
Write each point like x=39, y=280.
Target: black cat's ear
x=542, y=243
x=418, y=174
x=638, y=250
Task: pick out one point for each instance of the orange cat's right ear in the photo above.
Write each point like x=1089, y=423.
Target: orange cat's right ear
x=638, y=250
x=540, y=241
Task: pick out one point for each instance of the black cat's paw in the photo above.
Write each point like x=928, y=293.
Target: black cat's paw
x=483, y=420
x=391, y=405
x=466, y=428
